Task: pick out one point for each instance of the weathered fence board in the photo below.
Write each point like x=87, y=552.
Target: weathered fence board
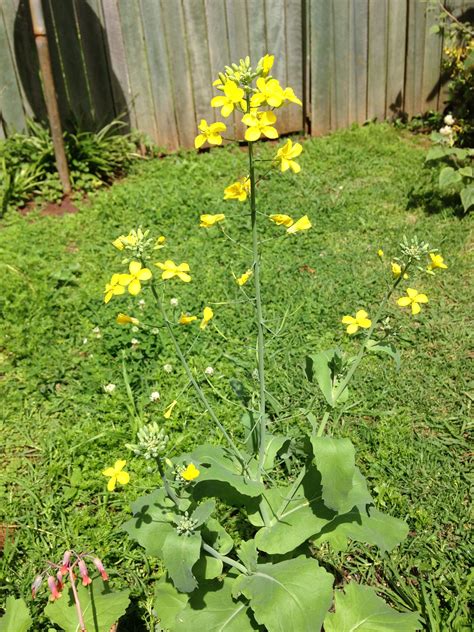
x=153, y=61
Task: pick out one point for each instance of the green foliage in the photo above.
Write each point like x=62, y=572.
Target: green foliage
x=17, y=617
x=101, y=607
x=359, y=608
x=458, y=175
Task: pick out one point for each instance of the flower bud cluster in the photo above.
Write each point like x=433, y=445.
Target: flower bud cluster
x=137, y=242
x=414, y=249
x=186, y=525
x=151, y=442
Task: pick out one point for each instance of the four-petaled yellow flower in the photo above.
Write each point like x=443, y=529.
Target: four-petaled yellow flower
x=413, y=299
x=238, y=190
x=242, y=280
x=207, y=316
x=361, y=320
x=169, y=409
x=137, y=274
x=117, y=475
x=380, y=253
x=210, y=133
x=290, y=95
x=190, y=472
x=186, y=319
x=269, y=91
x=302, y=224
x=209, y=220
x=170, y=270
x=282, y=220
x=233, y=95
x=259, y=123
x=266, y=63
x=287, y=154
x=123, y=319
x=397, y=270
x=437, y=261
x=114, y=287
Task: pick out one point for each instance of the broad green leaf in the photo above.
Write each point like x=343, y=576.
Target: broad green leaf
x=359, y=608
x=203, y=511
x=17, y=617
x=335, y=460
x=466, y=172
x=252, y=432
x=207, y=567
x=180, y=553
x=151, y=523
x=291, y=595
x=370, y=526
x=384, y=347
x=101, y=607
x=434, y=28
x=449, y=177
x=212, y=608
x=318, y=366
x=467, y=197
x=168, y=602
x=216, y=464
x=274, y=443
x=435, y=153
x=248, y=554
x=213, y=533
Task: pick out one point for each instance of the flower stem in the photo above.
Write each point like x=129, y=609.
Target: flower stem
x=166, y=484
x=191, y=378
x=259, y=313
x=223, y=558
x=76, y=600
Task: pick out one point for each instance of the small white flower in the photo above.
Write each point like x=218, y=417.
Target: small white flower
x=141, y=303
x=446, y=131
x=449, y=119
x=96, y=332
x=135, y=329
x=154, y=396
x=109, y=388
x=209, y=370
x=155, y=331
x=174, y=302
x=168, y=368
x=85, y=341
x=134, y=342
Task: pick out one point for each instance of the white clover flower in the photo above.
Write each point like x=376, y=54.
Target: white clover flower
x=174, y=302
x=141, y=303
x=168, y=368
x=135, y=329
x=134, y=342
x=446, y=131
x=154, y=396
x=109, y=388
x=96, y=332
x=85, y=341
x=449, y=119
x=209, y=370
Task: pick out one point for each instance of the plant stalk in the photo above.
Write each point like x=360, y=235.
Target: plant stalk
x=223, y=558
x=76, y=601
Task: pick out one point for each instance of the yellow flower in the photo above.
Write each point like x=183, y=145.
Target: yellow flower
x=287, y=154
x=190, y=473
x=361, y=320
x=437, y=261
x=117, y=475
x=170, y=270
x=169, y=409
x=137, y=274
x=270, y=92
x=380, y=253
x=123, y=319
x=397, y=270
x=118, y=243
x=160, y=243
x=266, y=64
x=131, y=240
x=186, y=319
x=209, y=220
x=233, y=95
x=114, y=287
x=282, y=220
x=259, y=123
x=238, y=190
x=242, y=280
x=302, y=224
x=207, y=316
x=210, y=133
x=413, y=298
x=289, y=95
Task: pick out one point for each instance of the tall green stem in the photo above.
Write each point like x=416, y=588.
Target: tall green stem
x=259, y=312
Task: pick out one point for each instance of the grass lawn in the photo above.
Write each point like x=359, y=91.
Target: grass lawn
x=363, y=189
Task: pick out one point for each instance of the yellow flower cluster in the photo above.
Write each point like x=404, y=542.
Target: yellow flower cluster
x=131, y=281
x=207, y=316
x=289, y=223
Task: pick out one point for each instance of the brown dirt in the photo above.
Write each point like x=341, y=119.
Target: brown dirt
x=51, y=208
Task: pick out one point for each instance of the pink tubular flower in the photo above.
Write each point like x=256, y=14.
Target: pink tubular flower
x=60, y=584
x=55, y=594
x=100, y=568
x=65, y=563
x=35, y=585
x=86, y=580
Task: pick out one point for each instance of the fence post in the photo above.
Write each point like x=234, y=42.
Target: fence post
x=41, y=39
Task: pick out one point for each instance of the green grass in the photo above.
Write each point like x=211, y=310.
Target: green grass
x=363, y=189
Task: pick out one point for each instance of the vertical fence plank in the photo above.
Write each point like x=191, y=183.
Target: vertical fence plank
x=275, y=14
x=359, y=22
x=432, y=52
x=219, y=52
x=341, y=64
x=377, y=70
x=178, y=60
x=396, y=55
x=321, y=66
x=117, y=59
x=256, y=24
x=237, y=32
x=11, y=107
x=415, y=57
x=160, y=75
x=295, y=63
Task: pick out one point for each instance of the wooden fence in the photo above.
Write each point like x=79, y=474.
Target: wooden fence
x=153, y=61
